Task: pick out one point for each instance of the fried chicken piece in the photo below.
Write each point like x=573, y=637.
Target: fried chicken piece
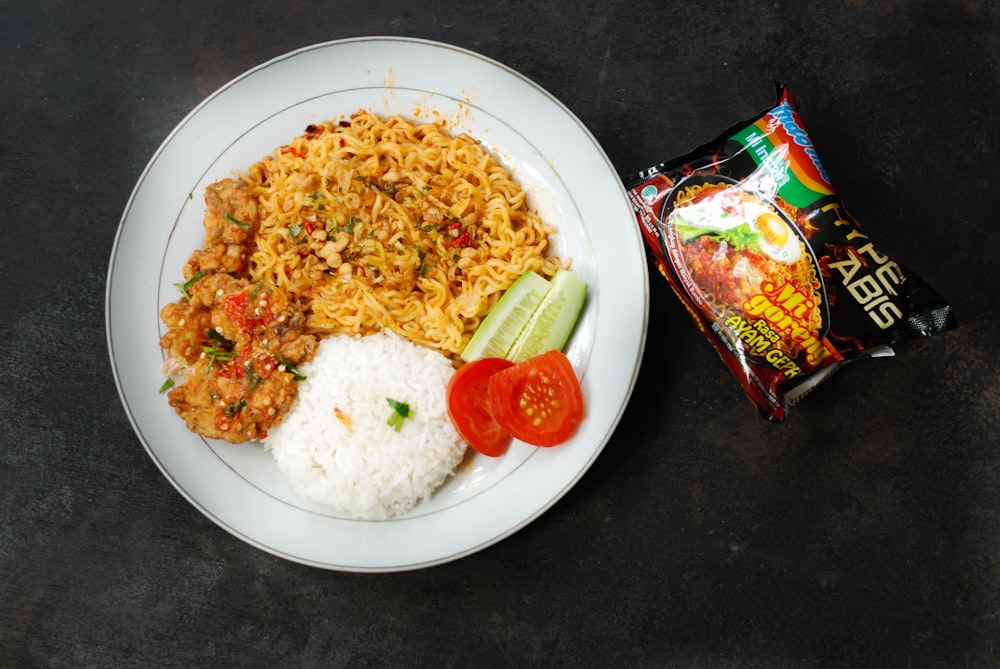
x=236, y=405
x=248, y=338
x=189, y=320
x=186, y=328
x=231, y=222
x=237, y=344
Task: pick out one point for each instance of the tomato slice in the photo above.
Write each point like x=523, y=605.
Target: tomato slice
x=469, y=406
x=538, y=401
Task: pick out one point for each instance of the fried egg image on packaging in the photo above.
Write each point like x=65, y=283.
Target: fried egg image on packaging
x=741, y=218
x=776, y=240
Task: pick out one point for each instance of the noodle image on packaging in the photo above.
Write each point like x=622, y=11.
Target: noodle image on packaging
x=736, y=247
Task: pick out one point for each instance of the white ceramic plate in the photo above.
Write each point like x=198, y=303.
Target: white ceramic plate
x=569, y=180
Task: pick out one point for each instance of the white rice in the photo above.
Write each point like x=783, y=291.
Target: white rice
x=358, y=463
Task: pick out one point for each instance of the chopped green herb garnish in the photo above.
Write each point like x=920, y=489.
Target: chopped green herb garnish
x=290, y=368
x=215, y=353
x=235, y=407
x=253, y=377
x=183, y=287
x=400, y=412
x=424, y=266
x=295, y=229
x=167, y=385
x=213, y=334
x=237, y=221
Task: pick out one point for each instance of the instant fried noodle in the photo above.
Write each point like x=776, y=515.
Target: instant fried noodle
x=756, y=243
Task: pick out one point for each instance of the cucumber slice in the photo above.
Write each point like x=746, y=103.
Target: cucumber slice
x=553, y=321
x=508, y=316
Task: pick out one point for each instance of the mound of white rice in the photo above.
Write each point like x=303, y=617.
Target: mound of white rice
x=336, y=446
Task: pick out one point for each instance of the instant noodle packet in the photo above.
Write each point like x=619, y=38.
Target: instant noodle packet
x=756, y=243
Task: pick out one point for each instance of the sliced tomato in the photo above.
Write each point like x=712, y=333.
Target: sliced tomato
x=469, y=406
x=538, y=401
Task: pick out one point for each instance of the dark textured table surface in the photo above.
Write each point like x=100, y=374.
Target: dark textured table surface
x=865, y=531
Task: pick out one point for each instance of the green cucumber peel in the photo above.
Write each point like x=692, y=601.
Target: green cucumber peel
x=498, y=331
x=553, y=321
